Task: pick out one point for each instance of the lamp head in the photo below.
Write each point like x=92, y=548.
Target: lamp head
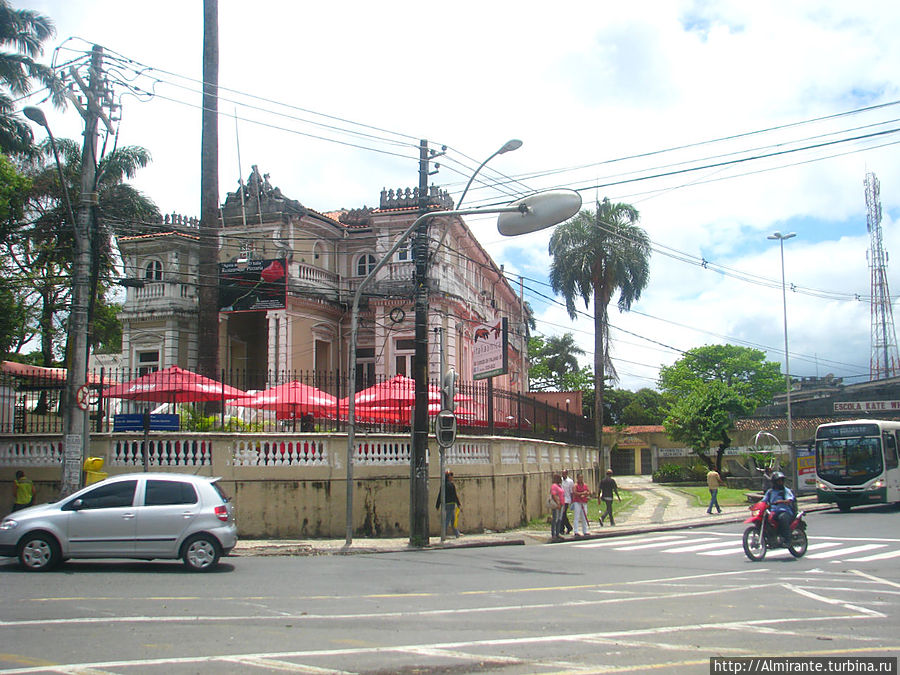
x=538, y=211
x=510, y=145
x=36, y=115
x=777, y=235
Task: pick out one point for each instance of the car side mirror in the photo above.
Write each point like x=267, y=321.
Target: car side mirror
x=76, y=505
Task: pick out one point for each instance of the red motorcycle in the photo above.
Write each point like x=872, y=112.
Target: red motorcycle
x=762, y=534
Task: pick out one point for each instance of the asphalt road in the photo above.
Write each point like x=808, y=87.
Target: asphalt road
x=660, y=602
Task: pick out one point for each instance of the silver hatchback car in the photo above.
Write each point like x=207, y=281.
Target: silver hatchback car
x=138, y=515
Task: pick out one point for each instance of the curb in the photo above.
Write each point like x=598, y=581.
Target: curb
x=296, y=549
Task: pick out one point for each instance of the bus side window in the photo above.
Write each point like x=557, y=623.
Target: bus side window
x=890, y=451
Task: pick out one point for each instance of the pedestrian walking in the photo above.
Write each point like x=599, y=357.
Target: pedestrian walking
x=556, y=501
x=23, y=491
x=567, y=485
x=608, y=488
x=452, y=504
x=581, y=493
x=714, y=482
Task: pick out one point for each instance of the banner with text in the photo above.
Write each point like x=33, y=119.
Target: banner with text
x=491, y=350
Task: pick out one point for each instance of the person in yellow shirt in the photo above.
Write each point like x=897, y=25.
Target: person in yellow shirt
x=23, y=491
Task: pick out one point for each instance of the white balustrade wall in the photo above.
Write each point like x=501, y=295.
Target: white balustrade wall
x=294, y=485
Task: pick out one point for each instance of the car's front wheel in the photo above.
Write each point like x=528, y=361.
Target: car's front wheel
x=39, y=552
x=201, y=553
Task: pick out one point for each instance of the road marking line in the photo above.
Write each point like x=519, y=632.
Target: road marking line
x=833, y=601
x=696, y=547
x=658, y=544
x=623, y=540
x=872, y=577
x=877, y=556
x=724, y=551
x=286, y=666
x=845, y=551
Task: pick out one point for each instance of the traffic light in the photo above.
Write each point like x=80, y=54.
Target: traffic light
x=445, y=428
x=448, y=391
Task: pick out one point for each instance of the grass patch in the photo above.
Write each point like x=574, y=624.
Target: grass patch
x=727, y=496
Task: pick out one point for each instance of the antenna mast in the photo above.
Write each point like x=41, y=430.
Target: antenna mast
x=885, y=361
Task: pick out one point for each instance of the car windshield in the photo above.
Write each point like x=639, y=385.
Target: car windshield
x=848, y=461
x=217, y=488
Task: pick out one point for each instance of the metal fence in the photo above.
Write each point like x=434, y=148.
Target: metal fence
x=117, y=400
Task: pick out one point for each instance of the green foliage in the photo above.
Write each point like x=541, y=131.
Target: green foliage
x=628, y=408
x=106, y=331
x=704, y=417
x=12, y=319
x=554, y=364
x=708, y=387
x=742, y=369
x=669, y=473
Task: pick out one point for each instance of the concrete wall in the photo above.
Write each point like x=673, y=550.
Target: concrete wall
x=294, y=485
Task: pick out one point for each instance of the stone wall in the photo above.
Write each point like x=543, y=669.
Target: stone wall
x=295, y=485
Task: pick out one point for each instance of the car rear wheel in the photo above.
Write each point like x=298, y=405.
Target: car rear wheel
x=201, y=553
x=39, y=552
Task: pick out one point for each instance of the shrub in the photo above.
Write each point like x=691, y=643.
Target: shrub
x=669, y=473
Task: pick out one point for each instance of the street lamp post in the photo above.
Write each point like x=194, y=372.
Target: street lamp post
x=524, y=215
x=787, y=363
x=76, y=432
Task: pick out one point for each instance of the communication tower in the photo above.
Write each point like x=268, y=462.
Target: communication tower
x=885, y=361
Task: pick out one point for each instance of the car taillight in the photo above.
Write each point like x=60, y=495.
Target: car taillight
x=222, y=513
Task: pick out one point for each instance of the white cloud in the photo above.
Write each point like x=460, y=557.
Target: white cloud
x=580, y=83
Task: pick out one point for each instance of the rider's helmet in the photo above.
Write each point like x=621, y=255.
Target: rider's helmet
x=777, y=476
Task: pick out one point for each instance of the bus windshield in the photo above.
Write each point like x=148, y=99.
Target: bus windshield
x=848, y=461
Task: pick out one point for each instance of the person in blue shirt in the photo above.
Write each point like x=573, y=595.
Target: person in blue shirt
x=782, y=503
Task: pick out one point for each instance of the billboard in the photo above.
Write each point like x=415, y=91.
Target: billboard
x=491, y=351
x=252, y=285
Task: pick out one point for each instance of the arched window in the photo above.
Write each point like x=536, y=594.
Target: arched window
x=365, y=264
x=153, y=271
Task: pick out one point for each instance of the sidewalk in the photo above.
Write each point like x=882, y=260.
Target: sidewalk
x=663, y=509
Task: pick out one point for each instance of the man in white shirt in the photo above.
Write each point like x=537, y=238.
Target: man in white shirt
x=567, y=485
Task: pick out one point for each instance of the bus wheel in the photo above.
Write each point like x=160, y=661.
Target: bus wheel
x=844, y=508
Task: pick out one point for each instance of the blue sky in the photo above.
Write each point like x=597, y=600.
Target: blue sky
x=583, y=85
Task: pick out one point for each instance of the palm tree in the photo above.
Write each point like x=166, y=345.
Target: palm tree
x=40, y=250
x=24, y=31
x=594, y=255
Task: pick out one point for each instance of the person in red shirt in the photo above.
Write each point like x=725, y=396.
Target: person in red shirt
x=557, y=502
x=581, y=493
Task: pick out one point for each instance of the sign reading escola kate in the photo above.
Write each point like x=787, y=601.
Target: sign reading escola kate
x=866, y=406
x=252, y=285
x=491, y=351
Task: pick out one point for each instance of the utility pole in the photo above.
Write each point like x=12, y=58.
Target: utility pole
x=418, y=475
x=208, y=274
x=76, y=430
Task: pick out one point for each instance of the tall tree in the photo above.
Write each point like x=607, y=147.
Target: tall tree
x=39, y=251
x=595, y=255
x=22, y=32
x=708, y=387
x=554, y=363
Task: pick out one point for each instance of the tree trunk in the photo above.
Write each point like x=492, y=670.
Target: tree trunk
x=599, y=373
x=208, y=313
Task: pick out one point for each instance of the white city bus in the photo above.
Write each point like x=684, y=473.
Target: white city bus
x=857, y=463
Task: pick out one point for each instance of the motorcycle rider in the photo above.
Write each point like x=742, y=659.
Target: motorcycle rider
x=783, y=504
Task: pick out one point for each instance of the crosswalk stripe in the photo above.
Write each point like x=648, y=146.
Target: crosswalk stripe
x=846, y=551
x=697, y=546
x=618, y=542
x=877, y=556
x=658, y=544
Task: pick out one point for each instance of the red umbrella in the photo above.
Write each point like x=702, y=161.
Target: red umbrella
x=292, y=400
x=173, y=385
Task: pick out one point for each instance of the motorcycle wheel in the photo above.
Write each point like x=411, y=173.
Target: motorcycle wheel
x=798, y=543
x=754, y=544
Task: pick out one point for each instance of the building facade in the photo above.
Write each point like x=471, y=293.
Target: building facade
x=325, y=256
